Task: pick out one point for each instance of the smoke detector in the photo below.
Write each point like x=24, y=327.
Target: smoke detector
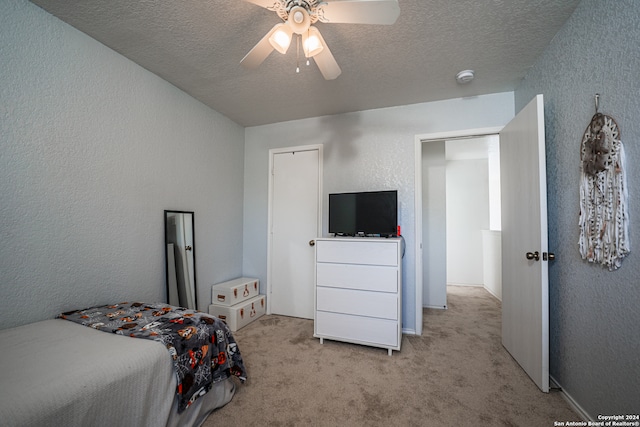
x=465, y=76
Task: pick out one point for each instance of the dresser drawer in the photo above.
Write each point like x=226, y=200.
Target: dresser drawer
x=360, y=303
x=363, y=330
x=363, y=277
x=358, y=251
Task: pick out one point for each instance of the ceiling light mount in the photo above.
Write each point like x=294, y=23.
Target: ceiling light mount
x=465, y=76
x=284, y=8
x=299, y=19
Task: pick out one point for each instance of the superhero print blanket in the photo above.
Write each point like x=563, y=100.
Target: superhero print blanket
x=202, y=347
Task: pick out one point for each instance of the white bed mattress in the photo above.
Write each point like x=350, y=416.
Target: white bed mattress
x=58, y=373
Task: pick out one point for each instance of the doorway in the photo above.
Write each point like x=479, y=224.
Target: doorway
x=525, y=256
x=461, y=215
x=295, y=208
x=434, y=248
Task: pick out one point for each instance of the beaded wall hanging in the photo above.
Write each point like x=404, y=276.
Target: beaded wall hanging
x=604, y=220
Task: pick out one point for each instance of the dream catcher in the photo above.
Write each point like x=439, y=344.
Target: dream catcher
x=604, y=236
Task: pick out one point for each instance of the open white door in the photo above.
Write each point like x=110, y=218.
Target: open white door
x=525, y=281
x=294, y=223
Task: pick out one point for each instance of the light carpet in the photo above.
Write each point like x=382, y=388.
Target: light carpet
x=456, y=374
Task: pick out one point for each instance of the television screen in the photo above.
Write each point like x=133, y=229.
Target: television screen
x=364, y=213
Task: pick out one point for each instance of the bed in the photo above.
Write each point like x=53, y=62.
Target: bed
x=61, y=373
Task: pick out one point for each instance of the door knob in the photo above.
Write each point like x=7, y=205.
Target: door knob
x=312, y=242
x=533, y=255
x=548, y=256
x=188, y=248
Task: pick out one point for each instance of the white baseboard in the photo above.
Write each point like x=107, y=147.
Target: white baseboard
x=491, y=292
x=572, y=402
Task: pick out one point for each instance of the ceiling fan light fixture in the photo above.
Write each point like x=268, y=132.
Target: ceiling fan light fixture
x=311, y=43
x=281, y=38
x=300, y=14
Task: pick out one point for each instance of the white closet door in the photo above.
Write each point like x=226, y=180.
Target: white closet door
x=294, y=224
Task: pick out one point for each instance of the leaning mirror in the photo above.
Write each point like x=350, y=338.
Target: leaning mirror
x=180, y=256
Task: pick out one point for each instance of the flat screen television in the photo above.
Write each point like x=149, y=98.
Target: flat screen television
x=369, y=213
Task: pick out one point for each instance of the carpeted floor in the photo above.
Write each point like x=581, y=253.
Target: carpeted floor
x=456, y=374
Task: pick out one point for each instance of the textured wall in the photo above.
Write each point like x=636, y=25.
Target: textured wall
x=93, y=148
x=367, y=150
x=595, y=314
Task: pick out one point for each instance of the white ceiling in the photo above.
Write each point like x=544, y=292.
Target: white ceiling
x=197, y=46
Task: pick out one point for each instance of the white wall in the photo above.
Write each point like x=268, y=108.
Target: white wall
x=495, y=198
x=467, y=198
x=366, y=150
x=492, y=260
x=93, y=148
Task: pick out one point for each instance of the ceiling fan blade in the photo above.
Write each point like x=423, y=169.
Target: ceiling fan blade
x=382, y=12
x=260, y=51
x=267, y=4
x=326, y=62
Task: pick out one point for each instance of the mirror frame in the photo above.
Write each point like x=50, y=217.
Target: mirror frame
x=193, y=251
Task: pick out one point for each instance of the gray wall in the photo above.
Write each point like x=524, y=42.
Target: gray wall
x=367, y=150
x=595, y=313
x=93, y=148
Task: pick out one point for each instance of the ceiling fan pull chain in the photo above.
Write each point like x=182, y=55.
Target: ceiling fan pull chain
x=298, y=54
x=306, y=48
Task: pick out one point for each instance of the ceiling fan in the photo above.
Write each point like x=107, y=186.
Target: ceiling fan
x=299, y=17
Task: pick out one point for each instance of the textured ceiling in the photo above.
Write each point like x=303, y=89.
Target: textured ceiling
x=197, y=46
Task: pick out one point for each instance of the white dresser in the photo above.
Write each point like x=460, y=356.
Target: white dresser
x=358, y=291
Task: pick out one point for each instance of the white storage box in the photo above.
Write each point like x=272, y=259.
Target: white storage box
x=234, y=291
x=239, y=315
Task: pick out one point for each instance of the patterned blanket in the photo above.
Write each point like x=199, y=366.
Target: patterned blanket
x=202, y=347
